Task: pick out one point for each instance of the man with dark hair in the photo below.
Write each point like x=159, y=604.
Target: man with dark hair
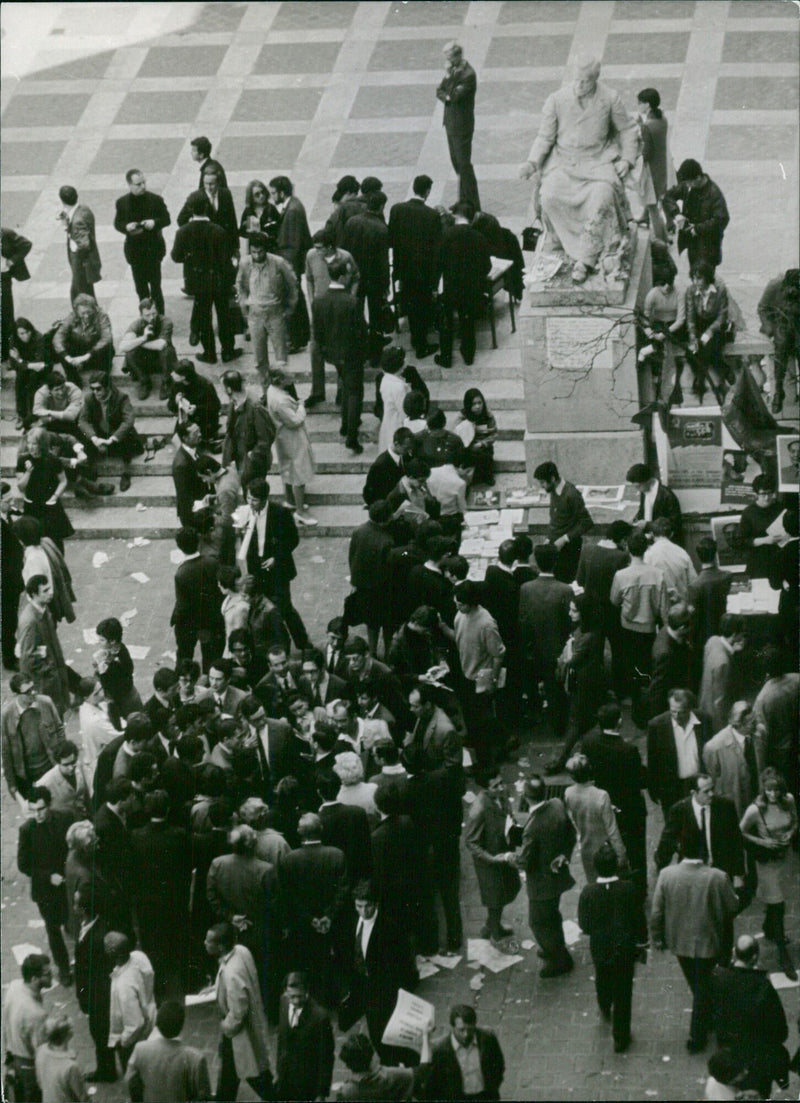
x=464, y=262
x=749, y=1017
x=192, y=397
x=368, y=554
x=304, y=1064
x=481, y=653
x=164, y=1067
x=714, y=820
x=607, y=912
x=548, y=839
x=372, y=1080
x=204, y=246
x=13, y=582
x=708, y=594
x=544, y=626
x=248, y=423
x=191, y=489
x=776, y=713
x=655, y=499
x=693, y=908
x=427, y=584
x=672, y=660
x=468, y=1062
x=221, y=211
x=82, y=253
x=341, y=335
x=294, y=241
x=147, y=347
x=196, y=615
x=457, y=92
x=366, y=238
x=31, y=731
x=40, y=656
x=675, y=742
x=93, y=978
x=23, y=1025
x=41, y=854
x=718, y=685
x=142, y=216
x=697, y=207
x=779, y=313
x=267, y=291
x=66, y=784
x=415, y=230
x=569, y=519
x=347, y=203
x=14, y=248
x=200, y=150
x=107, y=420
x=318, y=279
x=389, y=467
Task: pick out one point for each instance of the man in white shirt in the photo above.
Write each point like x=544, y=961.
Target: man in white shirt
x=675, y=742
x=133, y=1008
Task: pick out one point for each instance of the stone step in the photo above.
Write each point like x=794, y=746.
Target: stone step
x=156, y=491
x=323, y=427
x=331, y=458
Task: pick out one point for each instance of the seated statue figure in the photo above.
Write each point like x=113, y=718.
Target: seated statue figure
x=585, y=148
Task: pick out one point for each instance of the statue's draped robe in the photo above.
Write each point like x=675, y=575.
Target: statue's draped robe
x=582, y=199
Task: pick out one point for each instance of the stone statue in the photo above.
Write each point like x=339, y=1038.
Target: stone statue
x=586, y=146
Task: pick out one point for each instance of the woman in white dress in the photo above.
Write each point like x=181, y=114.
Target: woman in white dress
x=393, y=390
x=292, y=446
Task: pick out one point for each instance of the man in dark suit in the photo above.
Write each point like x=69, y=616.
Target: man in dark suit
x=749, y=1017
x=398, y=869
x=313, y=886
x=607, y=912
x=114, y=759
x=464, y=264
x=190, y=487
x=427, y=583
x=367, y=555
x=278, y=685
x=548, y=839
x=672, y=660
x=93, y=980
x=703, y=213
x=414, y=232
x=248, y=423
x=675, y=742
x=341, y=335
x=382, y=964
x=196, y=615
x=346, y=827
x=501, y=597
x=693, y=909
x=708, y=594
x=294, y=241
x=389, y=467
x=82, y=252
x=269, y=537
x=455, y=1052
x=13, y=249
x=162, y=856
x=12, y=578
x=205, y=248
x=142, y=216
x=200, y=149
x=544, y=627
x=304, y=1066
x=655, y=499
x=316, y=682
x=221, y=211
x=713, y=821
x=366, y=238
x=41, y=854
x=457, y=93
x=617, y=768
x=275, y=737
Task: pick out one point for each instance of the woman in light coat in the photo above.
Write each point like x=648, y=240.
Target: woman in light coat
x=486, y=841
x=591, y=811
x=292, y=446
x=393, y=390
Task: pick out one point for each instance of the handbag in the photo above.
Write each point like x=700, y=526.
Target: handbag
x=530, y=238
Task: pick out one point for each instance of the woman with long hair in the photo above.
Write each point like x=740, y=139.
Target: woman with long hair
x=28, y=356
x=768, y=827
x=41, y=556
x=42, y=480
x=580, y=668
x=259, y=216
x=477, y=427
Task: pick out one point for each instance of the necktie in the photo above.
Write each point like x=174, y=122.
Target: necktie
x=750, y=760
x=704, y=842
x=334, y=654
x=361, y=964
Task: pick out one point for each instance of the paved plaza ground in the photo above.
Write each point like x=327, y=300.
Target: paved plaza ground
x=315, y=90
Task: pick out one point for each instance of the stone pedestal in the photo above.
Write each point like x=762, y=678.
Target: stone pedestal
x=580, y=378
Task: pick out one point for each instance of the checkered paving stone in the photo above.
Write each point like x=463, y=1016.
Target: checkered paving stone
x=345, y=87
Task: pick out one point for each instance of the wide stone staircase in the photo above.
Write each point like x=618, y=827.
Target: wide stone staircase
x=147, y=509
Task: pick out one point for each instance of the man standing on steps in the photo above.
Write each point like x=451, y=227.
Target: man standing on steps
x=464, y=262
x=457, y=93
x=141, y=216
x=82, y=252
x=340, y=333
x=414, y=233
x=294, y=241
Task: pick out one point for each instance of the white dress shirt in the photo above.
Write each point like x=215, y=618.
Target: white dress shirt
x=686, y=747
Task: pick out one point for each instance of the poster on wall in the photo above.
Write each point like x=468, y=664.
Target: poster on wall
x=788, y=461
x=732, y=552
x=736, y=482
x=695, y=448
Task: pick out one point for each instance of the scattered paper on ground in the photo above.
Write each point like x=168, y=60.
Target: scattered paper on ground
x=317, y=559
x=469, y=796
x=780, y=980
x=477, y=982
x=426, y=968
x=176, y=557
x=527, y=944
x=21, y=951
x=447, y=961
x=127, y=617
x=138, y=651
x=485, y=953
x=139, y=542
x=36, y=924
x=141, y=507
x=140, y=576
x=99, y=558
x=572, y=932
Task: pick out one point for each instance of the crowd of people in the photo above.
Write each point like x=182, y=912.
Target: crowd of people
x=284, y=817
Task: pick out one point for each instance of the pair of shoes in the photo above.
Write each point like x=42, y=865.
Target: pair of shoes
x=206, y=357
x=314, y=400
x=81, y=490
x=605, y=1012
x=124, y=481
x=143, y=390
x=693, y=1046
x=232, y=354
x=294, y=348
x=354, y=446
x=305, y=519
x=557, y=969
x=501, y=933
x=468, y=360
x=151, y=446
x=194, y=338
x=163, y=391
x=425, y=351
x=622, y=1044
x=785, y=961
x=440, y=360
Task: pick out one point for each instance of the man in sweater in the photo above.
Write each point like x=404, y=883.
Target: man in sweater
x=267, y=290
x=569, y=519
x=481, y=653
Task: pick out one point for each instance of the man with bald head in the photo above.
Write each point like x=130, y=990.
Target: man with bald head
x=313, y=887
x=457, y=93
x=585, y=148
x=749, y=1017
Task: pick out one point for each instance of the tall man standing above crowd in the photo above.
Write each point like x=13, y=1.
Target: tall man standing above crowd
x=414, y=233
x=294, y=241
x=457, y=93
x=340, y=332
x=141, y=216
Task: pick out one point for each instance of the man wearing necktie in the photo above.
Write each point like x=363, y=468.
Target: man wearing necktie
x=305, y=1044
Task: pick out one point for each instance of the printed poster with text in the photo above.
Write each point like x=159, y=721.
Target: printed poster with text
x=695, y=449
